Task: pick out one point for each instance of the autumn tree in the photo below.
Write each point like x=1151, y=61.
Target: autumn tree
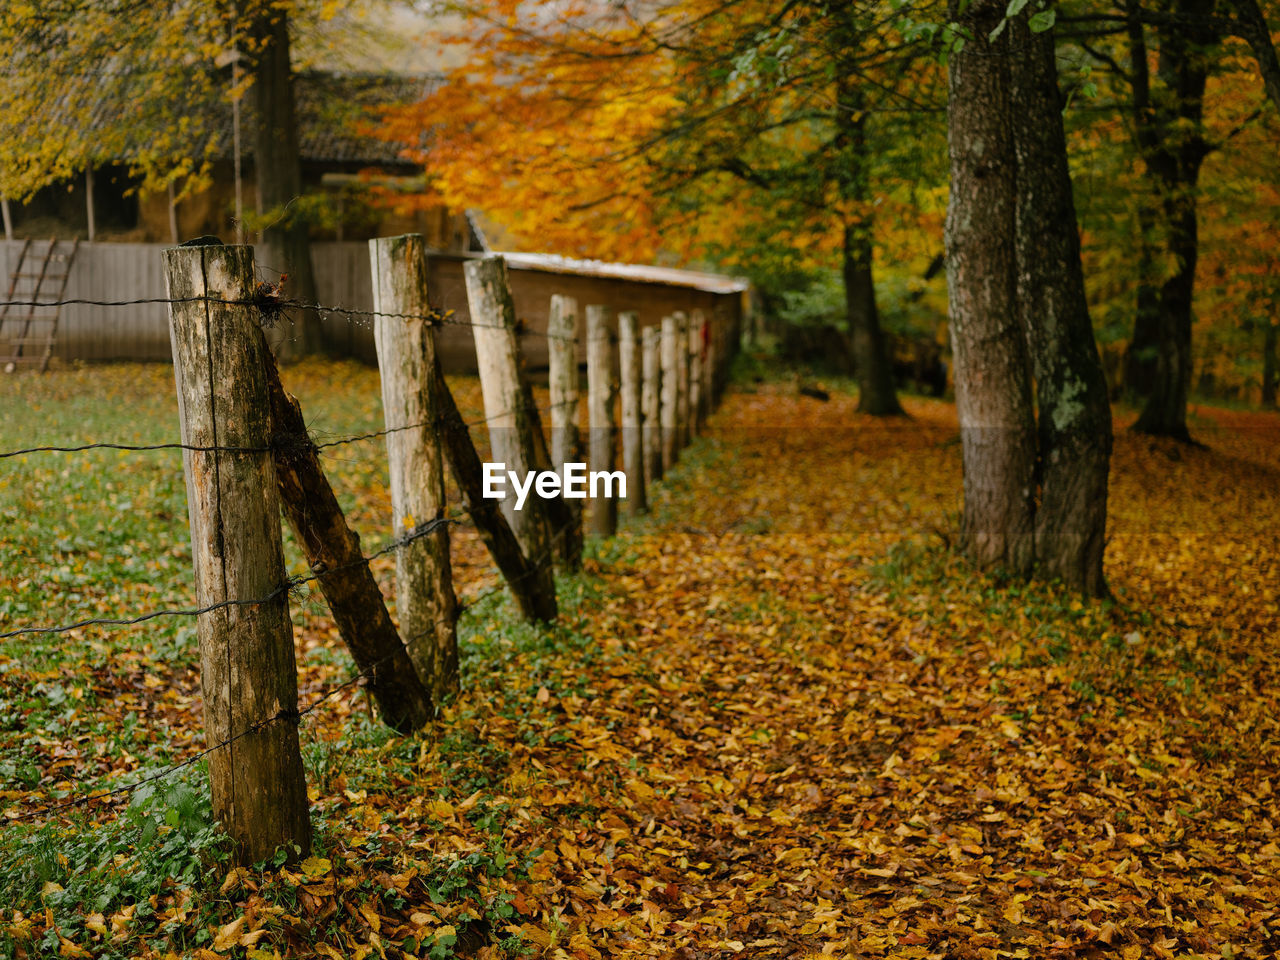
x=1035, y=486
x=94, y=80
x=684, y=129
x=1163, y=55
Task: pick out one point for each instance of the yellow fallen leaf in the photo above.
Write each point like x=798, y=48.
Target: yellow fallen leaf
x=228, y=936
x=251, y=938
x=69, y=949
x=233, y=880
x=440, y=809
x=316, y=866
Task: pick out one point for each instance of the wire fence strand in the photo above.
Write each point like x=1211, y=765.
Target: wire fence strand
x=294, y=716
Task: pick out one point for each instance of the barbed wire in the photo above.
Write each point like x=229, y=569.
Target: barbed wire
x=269, y=305
x=296, y=716
x=269, y=448
x=291, y=583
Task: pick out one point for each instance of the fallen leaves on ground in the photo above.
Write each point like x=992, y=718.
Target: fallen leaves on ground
x=782, y=719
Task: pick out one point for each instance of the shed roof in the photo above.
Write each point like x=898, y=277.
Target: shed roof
x=695, y=279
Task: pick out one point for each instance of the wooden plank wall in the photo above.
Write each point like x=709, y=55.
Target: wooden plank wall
x=134, y=271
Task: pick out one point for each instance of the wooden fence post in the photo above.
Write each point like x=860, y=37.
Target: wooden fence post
x=697, y=322
x=602, y=394
x=629, y=369
x=425, y=601
x=563, y=326
x=333, y=551
x=682, y=379
x=562, y=360
x=651, y=403
x=710, y=395
x=670, y=395
x=248, y=676
x=511, y=440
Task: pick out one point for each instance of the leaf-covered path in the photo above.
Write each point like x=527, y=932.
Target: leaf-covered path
x=815, y=733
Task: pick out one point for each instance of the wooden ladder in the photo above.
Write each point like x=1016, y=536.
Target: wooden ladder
x=29, y=314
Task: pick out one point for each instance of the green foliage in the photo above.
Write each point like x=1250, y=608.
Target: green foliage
x=165, y=840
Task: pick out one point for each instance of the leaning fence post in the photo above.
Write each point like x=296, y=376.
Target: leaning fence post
x=333, y=551
x=682, y=379
x=670, y=394
x=493, y=320
x=405, y=342
x=629, y=361
x=651, y=403
x=602, y=393
x=248, y=676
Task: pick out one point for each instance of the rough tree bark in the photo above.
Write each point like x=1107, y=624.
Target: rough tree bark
x=278, y=173
x=1071, y=388
x=993, y=383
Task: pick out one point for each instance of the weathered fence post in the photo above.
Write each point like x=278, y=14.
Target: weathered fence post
x=248, y=676
x=696, y=412
x=710, y=360
x=562, y=361
x=333, y=551
x=511, y=440
x=629, y=368
x=651, y=403
x=566, y=446
x=405, y=341
x=602, y=392
x=670, y=395
x=682, y=379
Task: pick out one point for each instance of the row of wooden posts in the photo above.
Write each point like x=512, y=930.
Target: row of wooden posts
x=247, y=456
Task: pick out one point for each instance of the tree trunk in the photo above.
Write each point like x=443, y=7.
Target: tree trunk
x=872, y=366
x=1144, y=345
x=1255, y=31
x=1168, y=126
x=278, y=172
x=1071, y=388
x=993, y=384
x=1165, y=411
